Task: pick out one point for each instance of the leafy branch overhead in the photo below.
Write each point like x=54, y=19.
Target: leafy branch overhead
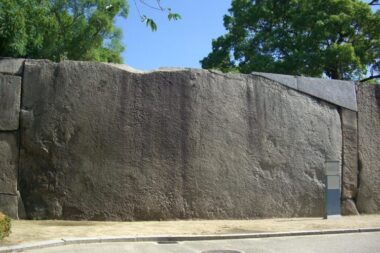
x=337, y=39
x=67, y=29
x=157, y=6
x=62, y=29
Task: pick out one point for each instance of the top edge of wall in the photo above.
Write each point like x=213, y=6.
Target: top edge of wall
x=115, y=65
x=338, y=92
x=11, y=66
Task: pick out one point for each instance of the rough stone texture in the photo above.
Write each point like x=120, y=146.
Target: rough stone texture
x=338, y=92
x=287, y=80
x=20, y=207
x=10, y=92
x=350, y=153
x=349, y=207
x=9, y=205
x=102, y=143
x=368, y=200
x=126, y=67
x=8, y=163
x=341, y=93
x=11, y=66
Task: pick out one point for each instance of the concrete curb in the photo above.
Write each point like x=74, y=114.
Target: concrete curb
x=171, y=238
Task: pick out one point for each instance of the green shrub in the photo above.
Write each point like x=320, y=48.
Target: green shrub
x=5, y=226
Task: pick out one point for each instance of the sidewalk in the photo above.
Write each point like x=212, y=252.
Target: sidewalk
x=24, y=231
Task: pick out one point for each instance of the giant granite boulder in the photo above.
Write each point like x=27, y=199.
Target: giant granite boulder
x=103, y=143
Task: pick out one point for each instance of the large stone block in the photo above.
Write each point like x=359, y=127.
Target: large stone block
x=349, y=207
x=368, y=200
x=287, y=80
x=338, y=92
x=8, y=163
x=350, y=153
x=10, y=92
x=103, y=143
x=9, y=205
x=11, y=66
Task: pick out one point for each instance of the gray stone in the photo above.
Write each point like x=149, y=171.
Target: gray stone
x=368, y=200
x=349, y=207
x=287, y=80
x=20, y=208
x=10, y=92
x=102, y=143
x=8, y=163
x=337, y=92
x=350, y=153
x=341, y=93
x=9, y=205
x=11, y=66
x=126, y=67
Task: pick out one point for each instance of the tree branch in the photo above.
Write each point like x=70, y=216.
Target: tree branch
x=159, y=7
x=369, y=78
x=374, y=2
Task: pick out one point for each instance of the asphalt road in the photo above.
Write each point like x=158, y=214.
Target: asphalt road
x=339, y=243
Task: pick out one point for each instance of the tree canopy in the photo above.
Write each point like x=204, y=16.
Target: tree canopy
x=66, y=29
x=61, y=29
x=339, y=39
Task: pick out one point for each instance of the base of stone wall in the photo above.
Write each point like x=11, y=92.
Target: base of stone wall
x=9, y=205
x=349, y=207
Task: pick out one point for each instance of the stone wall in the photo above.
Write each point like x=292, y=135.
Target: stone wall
x=105, y=142
x=350, y=170
x=102, y=143
x=369, y=148
x=10, y=93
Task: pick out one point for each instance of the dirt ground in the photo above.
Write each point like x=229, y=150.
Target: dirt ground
x=30, y=231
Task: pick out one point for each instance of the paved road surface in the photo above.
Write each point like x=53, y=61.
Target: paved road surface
x=341, y=243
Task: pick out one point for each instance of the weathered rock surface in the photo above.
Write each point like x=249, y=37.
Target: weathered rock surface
x=368, y=200
x=103, y=143
x=8, y=174
x=10, y=92
x=287, y=80
x=349, y=207
x=21, y=208
x=8, y=163
x=9, y=205
x=337, y=92
x=350, y=154
x=11, y=66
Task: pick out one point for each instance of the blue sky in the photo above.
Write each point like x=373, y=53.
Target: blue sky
x=180, y=43
x=177, y=43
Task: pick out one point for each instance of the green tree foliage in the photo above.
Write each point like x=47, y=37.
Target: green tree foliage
x=61, y=29
x=336, y=38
